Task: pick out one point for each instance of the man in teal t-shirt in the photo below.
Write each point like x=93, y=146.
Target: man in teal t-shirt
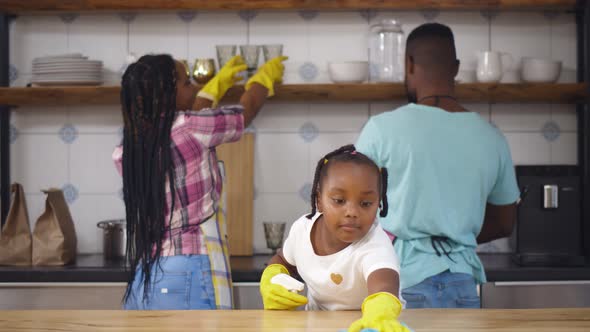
x=451, y=178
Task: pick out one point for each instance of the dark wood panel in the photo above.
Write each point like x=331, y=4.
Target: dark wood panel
x=44, y=6
x=494, y=93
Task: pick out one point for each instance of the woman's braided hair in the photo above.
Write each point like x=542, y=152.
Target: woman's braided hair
x=148, y=100
x=346, y=153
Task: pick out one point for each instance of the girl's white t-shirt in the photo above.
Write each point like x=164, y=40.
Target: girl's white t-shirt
x=338, y=281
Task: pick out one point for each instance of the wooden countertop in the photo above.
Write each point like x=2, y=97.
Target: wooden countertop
x=420, y=320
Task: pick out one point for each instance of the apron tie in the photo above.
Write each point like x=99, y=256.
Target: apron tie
x=439, y=242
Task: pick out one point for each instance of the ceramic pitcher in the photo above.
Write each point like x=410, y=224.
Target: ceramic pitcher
x=492, y=65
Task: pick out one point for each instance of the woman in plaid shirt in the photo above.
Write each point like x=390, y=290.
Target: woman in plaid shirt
x=175, y=235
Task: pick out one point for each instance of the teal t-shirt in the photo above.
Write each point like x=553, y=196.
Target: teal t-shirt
x=443, y=167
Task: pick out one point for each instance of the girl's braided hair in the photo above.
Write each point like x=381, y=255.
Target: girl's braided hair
x=346, y=153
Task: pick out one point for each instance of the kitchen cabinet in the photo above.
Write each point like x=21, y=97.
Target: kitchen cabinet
x=108, y=295
x=94, y=295
x=247, y=295
x=61, y=295
x=535, y=294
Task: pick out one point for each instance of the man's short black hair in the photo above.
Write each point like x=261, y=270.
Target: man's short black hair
x=432, y=45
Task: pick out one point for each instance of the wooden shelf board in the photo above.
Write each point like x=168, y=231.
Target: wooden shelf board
x=568, y=93
x=47, y=6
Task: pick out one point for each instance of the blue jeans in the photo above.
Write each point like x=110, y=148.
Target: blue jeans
x=179, y=283
x=444, y=290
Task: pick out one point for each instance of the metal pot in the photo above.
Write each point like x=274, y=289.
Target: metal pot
x=114, y=238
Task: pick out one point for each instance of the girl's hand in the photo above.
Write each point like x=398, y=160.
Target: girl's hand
x=276, y=297
x=380, y=312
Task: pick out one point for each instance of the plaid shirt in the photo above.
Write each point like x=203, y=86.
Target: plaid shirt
x=198, y=178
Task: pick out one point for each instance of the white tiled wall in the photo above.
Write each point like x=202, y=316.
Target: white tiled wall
x=290, y=137
x=102, y=38
x=289, y=29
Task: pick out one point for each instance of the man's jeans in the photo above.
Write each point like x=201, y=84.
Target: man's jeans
x=444, y=290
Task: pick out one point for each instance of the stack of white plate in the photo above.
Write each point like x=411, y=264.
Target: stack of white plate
x=66, y=69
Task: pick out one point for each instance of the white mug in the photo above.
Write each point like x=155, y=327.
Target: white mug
x=492, y=65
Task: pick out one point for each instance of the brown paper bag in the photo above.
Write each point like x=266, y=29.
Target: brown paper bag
x=15, y=239
x=54, y=236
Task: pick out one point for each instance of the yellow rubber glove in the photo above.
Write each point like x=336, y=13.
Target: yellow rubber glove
x=277, y=297
x=268, y=74
x=227, y=76
x=380, y=312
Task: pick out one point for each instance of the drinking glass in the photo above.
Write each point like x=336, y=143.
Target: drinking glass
x=272, y=51
x=273, y=233
x=225, y=53
x=250, y=56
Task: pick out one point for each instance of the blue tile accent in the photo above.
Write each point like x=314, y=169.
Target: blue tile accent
x=68, y=133
x=305, y=192
x=430, y=14
x=247, y=15
x=187, y=16
x=12, y=134
x=368, y=14
x=308, y=132
x=308, y=71
x=70, y=192
x=128, y=17
x=68, y=18
x=308, y=15
x=551, y=131
x=12, y=73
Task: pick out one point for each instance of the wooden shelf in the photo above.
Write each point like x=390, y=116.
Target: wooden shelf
x=569, y=93
x=47, y=6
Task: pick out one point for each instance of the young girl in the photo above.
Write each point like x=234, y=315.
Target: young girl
x=171, y=181
x=342, y=254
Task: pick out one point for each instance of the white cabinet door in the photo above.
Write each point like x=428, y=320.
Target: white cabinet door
x=55, y=295
x=535, y=294
x=89, y=296
x=247, y=295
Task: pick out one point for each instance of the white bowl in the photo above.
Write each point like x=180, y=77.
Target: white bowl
x=511, y=76
x=465, y=76
x=540, y=70
x=348, y=71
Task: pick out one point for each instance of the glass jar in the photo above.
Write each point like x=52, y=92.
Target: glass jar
x=386, y=51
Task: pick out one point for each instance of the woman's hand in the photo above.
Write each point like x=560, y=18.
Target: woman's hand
x=228, y=75
x=268, y=74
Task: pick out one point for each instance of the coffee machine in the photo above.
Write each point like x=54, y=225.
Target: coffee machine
x=549, y=225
